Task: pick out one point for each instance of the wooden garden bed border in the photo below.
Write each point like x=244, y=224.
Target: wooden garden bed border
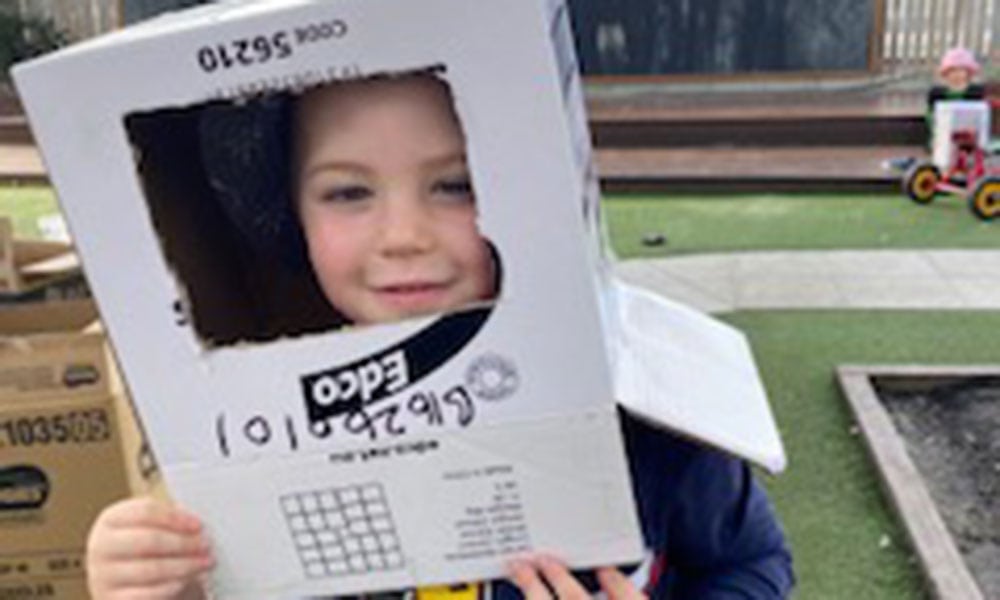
x=947, y=574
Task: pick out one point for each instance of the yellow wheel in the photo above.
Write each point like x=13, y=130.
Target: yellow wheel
x=985, y=199
x=920, y=182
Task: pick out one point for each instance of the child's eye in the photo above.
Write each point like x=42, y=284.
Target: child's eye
x=459, y=188
x=346, y=193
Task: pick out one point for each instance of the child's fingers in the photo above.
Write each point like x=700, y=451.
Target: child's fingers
x=562, y=581
x=544, y=578
x=524, y=575
x=617, y=586
x=165, y=591
x=146, y=512
x=163, y=572
x=132, y=543
x=171, y=590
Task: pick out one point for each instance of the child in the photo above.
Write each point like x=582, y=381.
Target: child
x=387, y=211
x=956, y=71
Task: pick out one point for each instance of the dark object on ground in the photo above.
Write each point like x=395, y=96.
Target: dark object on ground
x=952, y=433
x=654, y=239
x=900, y=165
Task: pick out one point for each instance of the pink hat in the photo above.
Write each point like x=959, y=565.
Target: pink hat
x=958, y=58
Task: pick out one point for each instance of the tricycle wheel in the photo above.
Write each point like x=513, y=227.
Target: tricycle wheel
x=985, y=198
x=920, y=182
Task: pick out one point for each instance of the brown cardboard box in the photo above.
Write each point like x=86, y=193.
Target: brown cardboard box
x=69, y=446
x=35, y=270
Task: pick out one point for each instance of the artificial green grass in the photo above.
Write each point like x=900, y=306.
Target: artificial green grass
x=845, y=539
x=794, y=222
x=25, y=204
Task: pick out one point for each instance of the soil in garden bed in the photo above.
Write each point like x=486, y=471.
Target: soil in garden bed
x=952, y=433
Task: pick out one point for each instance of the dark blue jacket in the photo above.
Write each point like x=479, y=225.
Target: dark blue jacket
x=703, y=513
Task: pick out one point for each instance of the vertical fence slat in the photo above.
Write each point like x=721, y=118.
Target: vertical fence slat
x=916, y=34
x=910, y=26
x=977, y=28
x=889, y=34
x=937, y=21
x=916, y=28
x=877, y=38
x=888, y=27
x=965, y=24
x=906, y=28
x=956, y=23
x=930, y=25
x=924, y=28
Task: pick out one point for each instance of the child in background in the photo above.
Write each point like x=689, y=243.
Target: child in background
x=956, y=72
x=384, y=202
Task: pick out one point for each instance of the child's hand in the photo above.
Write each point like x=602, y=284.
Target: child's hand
x=545, y=578
x=143, y=548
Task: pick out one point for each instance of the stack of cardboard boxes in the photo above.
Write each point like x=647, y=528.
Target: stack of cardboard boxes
x=69, y=444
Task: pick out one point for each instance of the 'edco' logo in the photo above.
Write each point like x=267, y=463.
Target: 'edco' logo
x=352, y=388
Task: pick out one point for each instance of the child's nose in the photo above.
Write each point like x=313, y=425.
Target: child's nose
x=406, y=225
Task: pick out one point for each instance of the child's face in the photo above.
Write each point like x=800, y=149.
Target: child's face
x=957, y=78
x=385, y=200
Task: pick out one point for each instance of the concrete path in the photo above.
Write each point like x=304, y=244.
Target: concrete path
x=882, y=279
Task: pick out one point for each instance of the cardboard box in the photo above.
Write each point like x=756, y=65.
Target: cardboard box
x=37, y=270
x=277, y=434
x=508, y=442
x=68, y=446
x=955, y=117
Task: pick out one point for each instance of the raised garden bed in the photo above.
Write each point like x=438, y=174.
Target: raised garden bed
x=934, y=434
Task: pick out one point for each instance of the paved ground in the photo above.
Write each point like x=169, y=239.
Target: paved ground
x=717, y=283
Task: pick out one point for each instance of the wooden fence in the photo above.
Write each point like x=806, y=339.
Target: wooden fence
x=915, y=33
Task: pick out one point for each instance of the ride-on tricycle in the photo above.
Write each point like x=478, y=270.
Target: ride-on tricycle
x=965, y=162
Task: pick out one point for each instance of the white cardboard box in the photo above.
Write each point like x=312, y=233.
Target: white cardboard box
x=522, y=449
x=953, y=116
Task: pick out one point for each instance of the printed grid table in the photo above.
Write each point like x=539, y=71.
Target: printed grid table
x=340, y=531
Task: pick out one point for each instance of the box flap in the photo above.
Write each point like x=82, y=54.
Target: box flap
x=693, y=375
x=26, y=263
x=58, y=264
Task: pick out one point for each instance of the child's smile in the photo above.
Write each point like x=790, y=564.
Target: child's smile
x=385, y=200
x=414, y=297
